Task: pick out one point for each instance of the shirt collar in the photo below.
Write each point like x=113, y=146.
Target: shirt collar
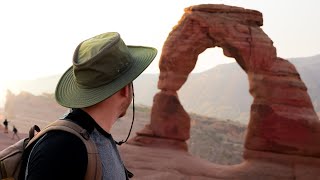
x=84, y=120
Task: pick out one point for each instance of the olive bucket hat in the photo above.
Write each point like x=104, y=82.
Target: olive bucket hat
x=102, y=65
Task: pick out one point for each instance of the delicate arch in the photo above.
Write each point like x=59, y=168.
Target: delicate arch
x=281, y=105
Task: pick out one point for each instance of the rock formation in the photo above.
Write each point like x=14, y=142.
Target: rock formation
x=283, y=139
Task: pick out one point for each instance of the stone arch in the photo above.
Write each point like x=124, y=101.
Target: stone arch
x=281, y=105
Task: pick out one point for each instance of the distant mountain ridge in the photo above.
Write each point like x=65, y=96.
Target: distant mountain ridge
x=220, y=92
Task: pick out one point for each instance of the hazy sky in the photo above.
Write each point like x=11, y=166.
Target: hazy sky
x=38, y=37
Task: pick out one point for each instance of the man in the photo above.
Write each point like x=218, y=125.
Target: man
x=15, y=132
x=5, y=123
x=98, y=88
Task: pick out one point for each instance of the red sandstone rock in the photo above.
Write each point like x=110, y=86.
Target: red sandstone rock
x=282, y=120
x=168, y=118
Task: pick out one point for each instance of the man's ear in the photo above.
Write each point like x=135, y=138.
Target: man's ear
x=125, y=91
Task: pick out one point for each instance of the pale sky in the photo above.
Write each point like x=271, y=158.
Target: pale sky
x=38, y=37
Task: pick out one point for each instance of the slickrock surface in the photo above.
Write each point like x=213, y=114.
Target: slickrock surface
x=283, y=139
x=160, y=163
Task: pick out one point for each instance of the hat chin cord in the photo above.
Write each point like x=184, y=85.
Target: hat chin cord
x=133, y=111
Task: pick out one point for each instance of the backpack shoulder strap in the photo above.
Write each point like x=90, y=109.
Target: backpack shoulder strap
x=94, y=167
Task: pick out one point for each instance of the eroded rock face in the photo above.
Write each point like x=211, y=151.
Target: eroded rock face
x=282, y=117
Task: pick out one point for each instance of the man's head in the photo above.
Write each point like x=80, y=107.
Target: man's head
x=102, y=65
x=113, y=107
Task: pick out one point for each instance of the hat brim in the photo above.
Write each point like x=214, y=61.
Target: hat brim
x=69, y=94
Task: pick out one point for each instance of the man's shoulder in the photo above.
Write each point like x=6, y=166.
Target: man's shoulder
x=59, y=151
x=61, y=138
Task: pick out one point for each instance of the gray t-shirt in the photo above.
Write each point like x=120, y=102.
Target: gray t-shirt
x=112, y=165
